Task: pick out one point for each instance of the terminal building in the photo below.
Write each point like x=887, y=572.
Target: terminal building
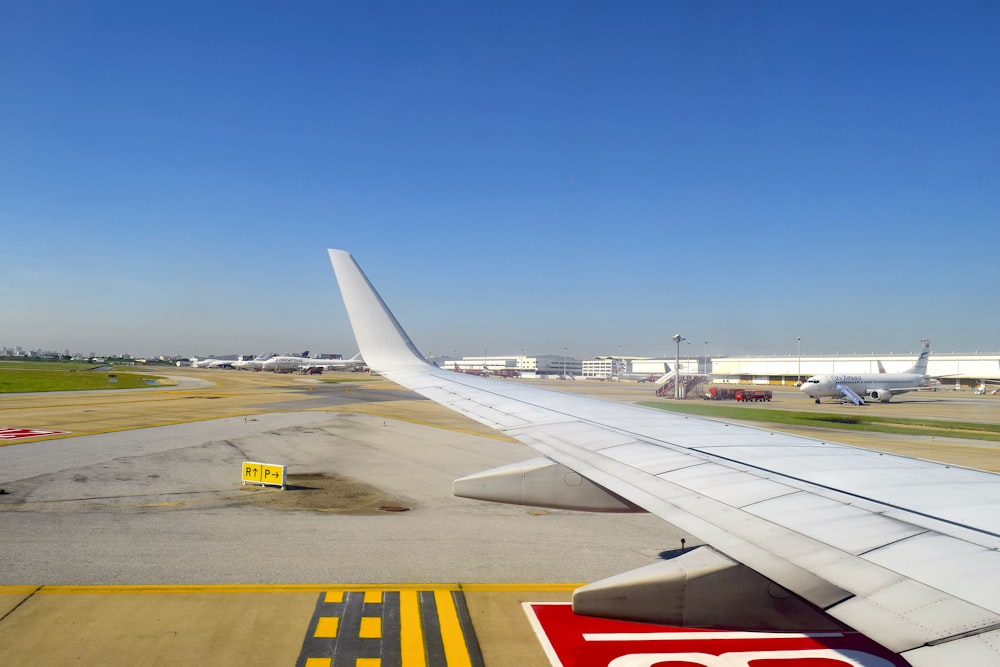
x=550, y=365
x=542, y=365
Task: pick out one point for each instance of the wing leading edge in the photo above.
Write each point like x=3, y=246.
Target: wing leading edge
x=903, y=550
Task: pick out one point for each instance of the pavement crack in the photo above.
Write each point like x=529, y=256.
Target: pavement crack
x=18, y=605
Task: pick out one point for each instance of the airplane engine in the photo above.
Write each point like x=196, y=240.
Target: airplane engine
x=881, y=395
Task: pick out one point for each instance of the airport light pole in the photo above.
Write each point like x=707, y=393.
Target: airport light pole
x=677, y=338
x=706, y=358
x=798, y=351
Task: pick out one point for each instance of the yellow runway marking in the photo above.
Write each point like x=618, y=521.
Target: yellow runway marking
x=375, y=626
x=451, y=631
x=146, y=589
x=327, y=626
x=411, y=637
x=371, y=627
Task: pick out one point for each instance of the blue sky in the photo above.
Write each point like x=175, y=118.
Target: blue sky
x=512, y=176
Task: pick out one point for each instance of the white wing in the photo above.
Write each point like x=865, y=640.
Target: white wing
x=903, y=550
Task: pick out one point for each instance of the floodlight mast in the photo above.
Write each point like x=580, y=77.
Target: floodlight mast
x=798, y=371
x=677, y=338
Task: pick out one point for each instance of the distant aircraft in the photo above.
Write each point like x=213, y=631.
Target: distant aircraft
x=488, y=372
x=482, y=372
x=876, y=386
x=640, y=377
x=212, y=362
x=277, y=362
x=333, y=364
x=254, y=364
x=304, y=362
x=804, y=534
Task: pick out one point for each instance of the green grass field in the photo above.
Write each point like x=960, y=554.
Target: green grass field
x=854, y=422
x=16, y=380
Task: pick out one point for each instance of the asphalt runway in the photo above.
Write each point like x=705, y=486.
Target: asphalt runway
x=135, y=538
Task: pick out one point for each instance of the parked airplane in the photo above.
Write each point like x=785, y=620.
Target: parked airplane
x=488, y=372
x=255, y=364
x=482, y=372
x=805, y=534
x=285, y=361
x=305, y=362
x=212, y=362
x=880, y=386
x=333, y=364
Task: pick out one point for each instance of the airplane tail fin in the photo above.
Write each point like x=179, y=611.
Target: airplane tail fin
x=920, y=367
x=382, y=342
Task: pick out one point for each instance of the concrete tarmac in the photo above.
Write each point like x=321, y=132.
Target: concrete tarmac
x=132, y=541
x=138, y=544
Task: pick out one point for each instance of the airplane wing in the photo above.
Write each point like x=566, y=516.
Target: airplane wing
x=904, y=390
x=900, y=549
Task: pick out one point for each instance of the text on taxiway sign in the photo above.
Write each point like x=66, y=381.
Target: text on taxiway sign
x=263, y=473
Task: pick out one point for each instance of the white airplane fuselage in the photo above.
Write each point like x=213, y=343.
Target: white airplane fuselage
x=876, y=386
x=285, y=362
x=254, y=364
x=288, y=362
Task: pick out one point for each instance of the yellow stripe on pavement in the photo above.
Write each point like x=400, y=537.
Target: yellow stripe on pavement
x=411, y=636
x=455, y=652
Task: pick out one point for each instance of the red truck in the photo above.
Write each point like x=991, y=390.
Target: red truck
x=754, y=395
x=722, y=393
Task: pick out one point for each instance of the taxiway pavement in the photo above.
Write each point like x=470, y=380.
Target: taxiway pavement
x=138, y=541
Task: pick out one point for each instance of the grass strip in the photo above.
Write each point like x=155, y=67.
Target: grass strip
x=19, y=380
x=853, y=422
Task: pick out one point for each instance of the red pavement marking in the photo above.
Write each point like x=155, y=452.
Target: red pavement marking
x=580, y=641
x=7, y=433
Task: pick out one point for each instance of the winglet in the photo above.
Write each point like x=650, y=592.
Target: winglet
x=382, y=342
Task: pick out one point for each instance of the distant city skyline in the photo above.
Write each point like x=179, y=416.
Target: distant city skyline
x=544, y=176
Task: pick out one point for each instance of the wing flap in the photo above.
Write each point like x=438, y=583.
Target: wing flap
x=932, y=558
x=908, y=614
x=979, y=649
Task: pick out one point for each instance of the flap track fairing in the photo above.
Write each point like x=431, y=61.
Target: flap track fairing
x=541, y=482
